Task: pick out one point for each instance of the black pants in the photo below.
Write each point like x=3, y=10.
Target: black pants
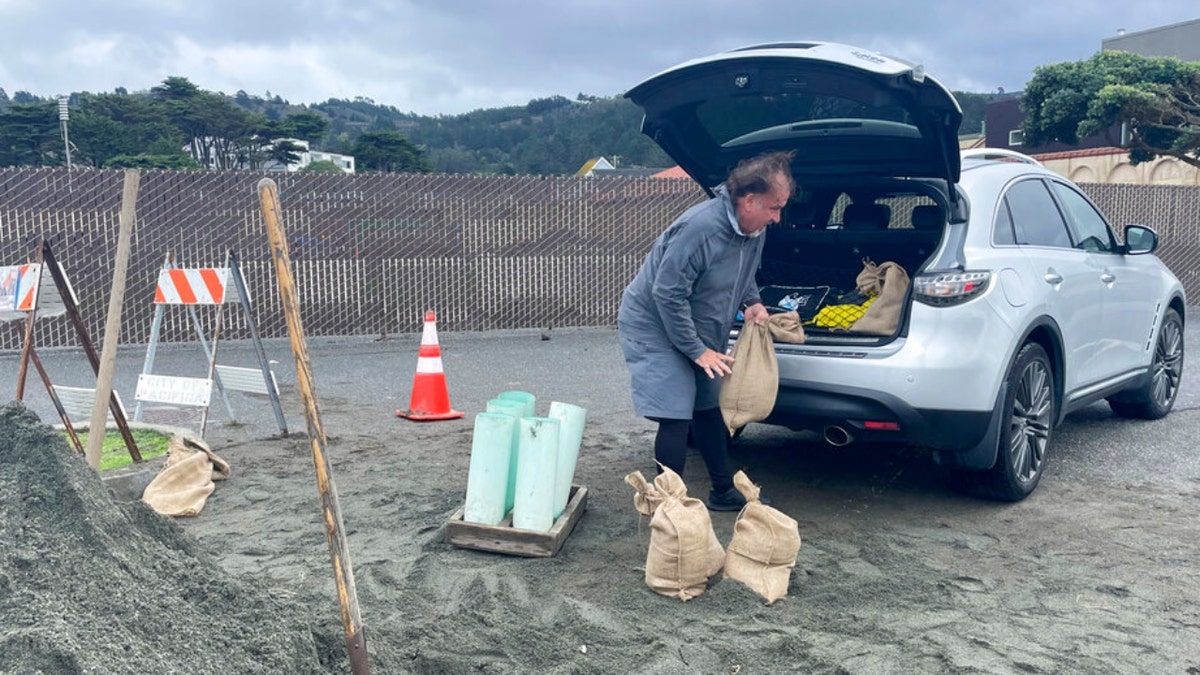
x=710, y=437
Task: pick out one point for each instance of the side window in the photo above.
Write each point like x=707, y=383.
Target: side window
x=1036, y=218
x=1002, y=231
x=1094, y=235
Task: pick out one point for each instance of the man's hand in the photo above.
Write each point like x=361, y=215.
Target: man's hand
x=715, y=363
x=755, y=313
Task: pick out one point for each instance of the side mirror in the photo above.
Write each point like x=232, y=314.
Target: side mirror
x=1140, y=240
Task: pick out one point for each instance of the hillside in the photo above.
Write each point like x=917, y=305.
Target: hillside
x=547, y=136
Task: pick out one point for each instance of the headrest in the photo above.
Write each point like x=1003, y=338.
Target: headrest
x=927, y=217
x=866, y=216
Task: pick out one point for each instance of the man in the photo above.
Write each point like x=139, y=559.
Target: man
x=676, y=315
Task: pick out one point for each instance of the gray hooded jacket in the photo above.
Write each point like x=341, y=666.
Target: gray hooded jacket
x=697, y=276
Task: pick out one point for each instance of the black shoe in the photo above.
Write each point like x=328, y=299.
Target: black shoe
x=729, y=500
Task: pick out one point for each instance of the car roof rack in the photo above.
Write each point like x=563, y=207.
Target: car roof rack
x=1000, y=154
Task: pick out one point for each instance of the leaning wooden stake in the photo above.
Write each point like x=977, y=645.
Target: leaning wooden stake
x=356, y=643
x=112, y=329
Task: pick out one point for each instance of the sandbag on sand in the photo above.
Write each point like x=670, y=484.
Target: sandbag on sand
x=186, y=480
x=684, y=551
x=765, y=542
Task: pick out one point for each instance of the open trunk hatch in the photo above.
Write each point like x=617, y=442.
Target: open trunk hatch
x=843, y=110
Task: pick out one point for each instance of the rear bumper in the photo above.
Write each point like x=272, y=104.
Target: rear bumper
x=814, y=406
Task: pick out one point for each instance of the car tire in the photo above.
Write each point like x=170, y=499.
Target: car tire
x=1029, y=409
x=1156, y=398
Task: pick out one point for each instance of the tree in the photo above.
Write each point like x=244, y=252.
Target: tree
x=307, y=126
x=390, y=152
x=540, y=106
x=175, y=88
x=322, y=166
x=1155, y=98
x=105, y=126
x=283, y=152
x=974, y=107
x=29, y=135
x=220, y=134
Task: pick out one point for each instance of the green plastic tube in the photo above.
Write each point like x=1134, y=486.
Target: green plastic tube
x=572, y=418
x=536, y=466
x=487, y=478
x=517, y=410
x=524, y=397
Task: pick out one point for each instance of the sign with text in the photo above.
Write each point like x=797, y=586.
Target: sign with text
x=189, y=391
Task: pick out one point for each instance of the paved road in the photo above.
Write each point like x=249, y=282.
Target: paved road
x=581, y=366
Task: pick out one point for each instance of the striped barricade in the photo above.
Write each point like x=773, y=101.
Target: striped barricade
x=200, y=286
x=23, y=289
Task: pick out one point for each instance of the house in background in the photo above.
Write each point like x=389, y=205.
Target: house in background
x=600, y=166
x=1100, y=158
x=1181, y=40
x=592, y=165
x=308, y=156
x=673, y=172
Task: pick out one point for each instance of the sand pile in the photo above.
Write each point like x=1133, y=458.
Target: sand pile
x=89, y=585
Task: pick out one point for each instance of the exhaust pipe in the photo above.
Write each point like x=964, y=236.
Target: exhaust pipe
x=837, y=435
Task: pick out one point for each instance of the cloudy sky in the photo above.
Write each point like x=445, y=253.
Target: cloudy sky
x=452, y=56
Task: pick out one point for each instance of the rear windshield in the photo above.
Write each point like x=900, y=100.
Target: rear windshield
x=744, y=119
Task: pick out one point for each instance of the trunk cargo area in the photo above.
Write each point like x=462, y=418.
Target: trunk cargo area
x=812, y=258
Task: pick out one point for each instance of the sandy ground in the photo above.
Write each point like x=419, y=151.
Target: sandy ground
x=1094, y=573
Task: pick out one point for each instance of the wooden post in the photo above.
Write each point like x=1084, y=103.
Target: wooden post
x=112, y=329
x=27, y=345
x=339, y=552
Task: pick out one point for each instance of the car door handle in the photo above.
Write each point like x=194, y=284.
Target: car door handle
x=1108, y=277
x=1052, y=278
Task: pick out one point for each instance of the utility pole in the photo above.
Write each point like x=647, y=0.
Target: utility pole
x=63, y=114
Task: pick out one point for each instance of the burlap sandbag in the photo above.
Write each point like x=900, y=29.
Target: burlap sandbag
x=748, y=393
x=887, y=284
x=186, y=480
x=684, y=551
x=765, y=542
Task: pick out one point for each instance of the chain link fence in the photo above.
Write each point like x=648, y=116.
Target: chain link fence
x=371, y=253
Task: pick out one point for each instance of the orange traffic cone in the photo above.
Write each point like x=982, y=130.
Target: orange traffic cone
x=430, y=400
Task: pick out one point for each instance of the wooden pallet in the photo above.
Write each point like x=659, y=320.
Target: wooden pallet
x=504, y=538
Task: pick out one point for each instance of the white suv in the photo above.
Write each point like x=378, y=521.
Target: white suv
x=1023, y=306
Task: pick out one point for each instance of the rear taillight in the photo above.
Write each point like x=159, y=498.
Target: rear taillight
x=942, y=289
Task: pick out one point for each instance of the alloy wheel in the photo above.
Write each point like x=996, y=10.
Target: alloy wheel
x=1030, y=422
x=1168, y=364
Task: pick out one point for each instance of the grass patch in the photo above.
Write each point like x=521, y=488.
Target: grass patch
x=114, y=455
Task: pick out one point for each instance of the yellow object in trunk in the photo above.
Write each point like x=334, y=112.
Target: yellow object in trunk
x=840, y=316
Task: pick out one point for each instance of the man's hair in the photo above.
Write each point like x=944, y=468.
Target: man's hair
x=756, y=175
